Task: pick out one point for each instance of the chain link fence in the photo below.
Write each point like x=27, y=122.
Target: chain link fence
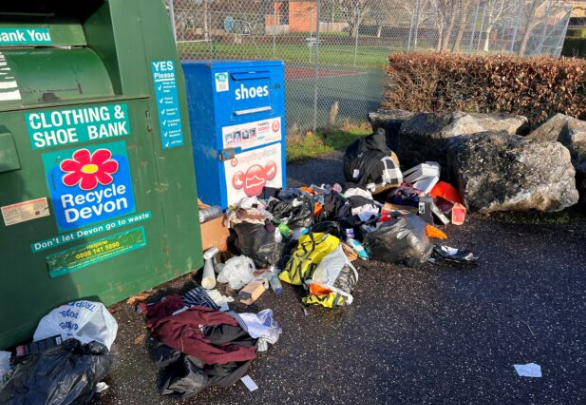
x=335, y=50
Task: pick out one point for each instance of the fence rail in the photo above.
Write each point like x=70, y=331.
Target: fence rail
x=334, y=50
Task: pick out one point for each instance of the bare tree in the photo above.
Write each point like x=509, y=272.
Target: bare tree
x=445, y=14
x=531, y=10
x=465, y=6
x=354, y=11
x=495, y=11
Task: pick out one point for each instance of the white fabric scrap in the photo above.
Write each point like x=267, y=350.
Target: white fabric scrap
x=528, y=370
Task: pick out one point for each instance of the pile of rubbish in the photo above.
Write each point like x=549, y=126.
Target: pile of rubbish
x=66, y=362
x=310, y=236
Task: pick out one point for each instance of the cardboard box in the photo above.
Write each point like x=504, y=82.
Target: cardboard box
x=249, y=294
x=214, y=234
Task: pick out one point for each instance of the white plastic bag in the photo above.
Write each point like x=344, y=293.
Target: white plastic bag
x=237, y=272
x=85, y=321
x=337, y=274
x=4, y=365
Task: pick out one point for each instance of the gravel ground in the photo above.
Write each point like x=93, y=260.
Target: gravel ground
x=437, y=334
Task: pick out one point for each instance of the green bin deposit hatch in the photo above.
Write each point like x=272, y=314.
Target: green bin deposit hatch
x=97, y=191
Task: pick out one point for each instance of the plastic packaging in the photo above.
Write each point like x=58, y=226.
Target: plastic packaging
x=62, y=375
x=456, y=255
x=4, y=365
x=85, y=321
x=358, y=248
x=237, y=272
x=208, y=214
x=402, y=241
x=332, y=281
x=275, y=283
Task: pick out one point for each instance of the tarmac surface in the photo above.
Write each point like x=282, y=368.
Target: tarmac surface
x=436, y=334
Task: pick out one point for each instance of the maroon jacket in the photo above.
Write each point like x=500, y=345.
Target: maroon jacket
x=183, y=332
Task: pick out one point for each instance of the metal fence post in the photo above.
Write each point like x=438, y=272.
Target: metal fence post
x=357, y=34
x=315, y=87
x=172, y=18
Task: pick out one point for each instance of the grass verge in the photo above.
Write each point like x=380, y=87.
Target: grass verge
x=303, y=147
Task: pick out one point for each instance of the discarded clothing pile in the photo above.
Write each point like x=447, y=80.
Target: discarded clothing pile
x=199, y=346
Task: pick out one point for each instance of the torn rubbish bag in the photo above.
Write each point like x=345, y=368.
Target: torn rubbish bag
x=295, y=213
x=62, y=375
x=311, y=249
x=262, y=243
x=332, y=281
x=403, y=241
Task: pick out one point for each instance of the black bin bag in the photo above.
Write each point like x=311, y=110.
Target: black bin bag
x=62, y=375
x=403, y=241
x=258, y=243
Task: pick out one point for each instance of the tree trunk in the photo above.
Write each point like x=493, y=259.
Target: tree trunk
x=448, y=33
x=461, y=26
x=379, y=31
x=487, y=39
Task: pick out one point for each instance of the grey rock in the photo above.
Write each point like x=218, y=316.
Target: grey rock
x=500, y=172
x=571, y=132
x=390, y=121
x=425, y=136
x=581, y=182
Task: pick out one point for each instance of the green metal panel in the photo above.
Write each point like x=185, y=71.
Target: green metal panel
x=74, y=247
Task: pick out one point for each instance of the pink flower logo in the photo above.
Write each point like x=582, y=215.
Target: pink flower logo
x=88, y=170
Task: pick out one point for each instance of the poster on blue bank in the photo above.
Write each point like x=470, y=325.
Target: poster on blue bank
x=89, y=184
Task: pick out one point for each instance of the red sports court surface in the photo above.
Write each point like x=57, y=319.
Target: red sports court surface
x=298, y=73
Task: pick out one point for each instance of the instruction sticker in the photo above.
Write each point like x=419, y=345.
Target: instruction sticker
x=85, y=255
x=89, y=185
x=48, y=129
x=86, y=232
x=25, y=36
x=165, y=81
x=222, y=82
x=249, y=172
x=8, y=86
x=252, y=134
x=25, y=211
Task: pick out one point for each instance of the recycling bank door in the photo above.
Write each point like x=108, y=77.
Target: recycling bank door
x=237, y=116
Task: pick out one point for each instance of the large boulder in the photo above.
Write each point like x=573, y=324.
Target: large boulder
x=425, y=136
x=570, y=132
x=581, y=182
x=500, y=172
x=390, y=121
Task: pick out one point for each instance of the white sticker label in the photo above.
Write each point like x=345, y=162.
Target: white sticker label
x=222, y=83
x=25, y=211
x=355, y=173
x=8, y=86
x=249, y=172
x=252, y=134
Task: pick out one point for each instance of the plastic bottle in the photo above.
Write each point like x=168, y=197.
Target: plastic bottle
x=358, y=248
x=208, y=214
x=274, y=281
